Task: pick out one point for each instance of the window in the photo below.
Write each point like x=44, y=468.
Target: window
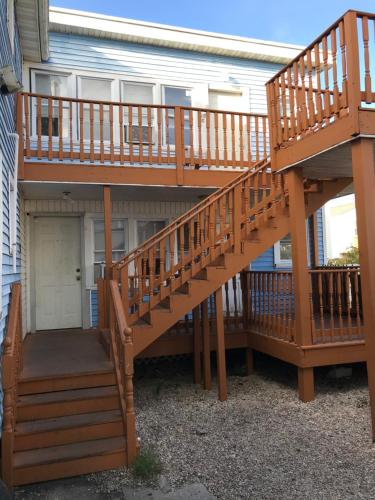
x=145, y=230
x=176, y=96
x=97, y=90
x=52, y=85
x=138, y=93
x=120, y=244
x=283, y=251
x=10, y=22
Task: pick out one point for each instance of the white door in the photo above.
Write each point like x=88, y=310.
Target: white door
x=57, y=265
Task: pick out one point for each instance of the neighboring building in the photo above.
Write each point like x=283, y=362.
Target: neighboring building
x=341, y=226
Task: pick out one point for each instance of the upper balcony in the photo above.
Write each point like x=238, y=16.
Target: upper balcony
x=74, y=140
x=325, y=98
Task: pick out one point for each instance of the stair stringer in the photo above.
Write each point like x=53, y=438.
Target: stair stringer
x=269, y=232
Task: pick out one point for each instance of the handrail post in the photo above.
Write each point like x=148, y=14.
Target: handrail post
x=353, y=66
x=179, y=144
x=271, y=123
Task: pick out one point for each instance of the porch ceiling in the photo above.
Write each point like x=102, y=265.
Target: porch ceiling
x=55, y=191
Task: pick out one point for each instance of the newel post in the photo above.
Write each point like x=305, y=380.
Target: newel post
x=131, y=436
x=237, y=215
x=179, y=144
x=353, y=80
x=301, y=276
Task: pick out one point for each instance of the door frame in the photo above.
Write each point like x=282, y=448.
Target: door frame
x=32, y=297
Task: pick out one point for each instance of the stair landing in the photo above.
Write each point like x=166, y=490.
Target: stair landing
x=63, y=352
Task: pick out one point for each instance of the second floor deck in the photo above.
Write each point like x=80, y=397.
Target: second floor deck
x=75, y=140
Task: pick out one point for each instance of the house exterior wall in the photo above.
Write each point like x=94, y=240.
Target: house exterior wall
x=90, y=211
x=146, y=63
x=13, y=57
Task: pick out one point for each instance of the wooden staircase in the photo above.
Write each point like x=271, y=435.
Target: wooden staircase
x=67, y=418
x=213, y=242
x=76, y=422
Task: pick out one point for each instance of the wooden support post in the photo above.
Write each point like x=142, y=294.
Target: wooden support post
x=220, y=347
x=107, y=230
x=19, y=130
x=206, y=346
x=315, y=262
x=249, y=361
x=297, y=213
x=197, y=346
x=107, y=249
x=306, y=389
x=364, y=188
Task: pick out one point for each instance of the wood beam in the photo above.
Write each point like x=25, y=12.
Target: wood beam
x=220, y=347
x=297, y=211
x=197, y=346
x=364, y=188
x=127, y=175
x=206, y=347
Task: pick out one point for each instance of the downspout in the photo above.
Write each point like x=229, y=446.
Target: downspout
x=13, y=228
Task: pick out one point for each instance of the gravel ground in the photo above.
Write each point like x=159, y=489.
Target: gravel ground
x=263, y=443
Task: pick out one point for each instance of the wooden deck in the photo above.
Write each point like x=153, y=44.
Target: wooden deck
x=58, y=353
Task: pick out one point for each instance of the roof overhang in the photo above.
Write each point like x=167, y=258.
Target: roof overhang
x=116, y=28
x=32, y=21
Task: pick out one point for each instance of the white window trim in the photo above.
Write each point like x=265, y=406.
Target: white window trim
x=10, y=23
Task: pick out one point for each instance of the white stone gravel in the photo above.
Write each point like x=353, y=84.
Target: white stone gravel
x=263, y=443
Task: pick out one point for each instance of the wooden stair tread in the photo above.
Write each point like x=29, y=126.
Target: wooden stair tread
x=69, y=395
x=58, y=454
x=84, y=373
x=67, y=422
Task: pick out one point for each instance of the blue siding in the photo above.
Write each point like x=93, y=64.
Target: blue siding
x=94, y=308
x=7, y=124
x=161, y=64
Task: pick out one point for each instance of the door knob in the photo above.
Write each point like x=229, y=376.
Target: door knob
x=77, y=270
x=78, y=278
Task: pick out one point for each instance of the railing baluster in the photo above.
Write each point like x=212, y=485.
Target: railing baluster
x=365, y=36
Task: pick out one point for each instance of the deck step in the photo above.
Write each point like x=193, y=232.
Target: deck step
x=71, y=402
x=68, y=460
x=66, y=382
x=56, y=431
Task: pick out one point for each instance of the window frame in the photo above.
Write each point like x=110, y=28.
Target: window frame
x=70, y=93
x=122, y=84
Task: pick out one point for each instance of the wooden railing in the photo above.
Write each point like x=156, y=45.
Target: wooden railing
x=335, y=296
x=123, y=360
x=77, y=130
x=328, y=80
x=269, y=303
x=336, y=304
x=11, y=368
x=166, y=261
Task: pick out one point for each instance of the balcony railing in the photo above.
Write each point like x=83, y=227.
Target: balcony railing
x=74, y=130
x=335, y=301
x=331, y=79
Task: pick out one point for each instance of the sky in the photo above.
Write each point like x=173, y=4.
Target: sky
x=289, y=21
